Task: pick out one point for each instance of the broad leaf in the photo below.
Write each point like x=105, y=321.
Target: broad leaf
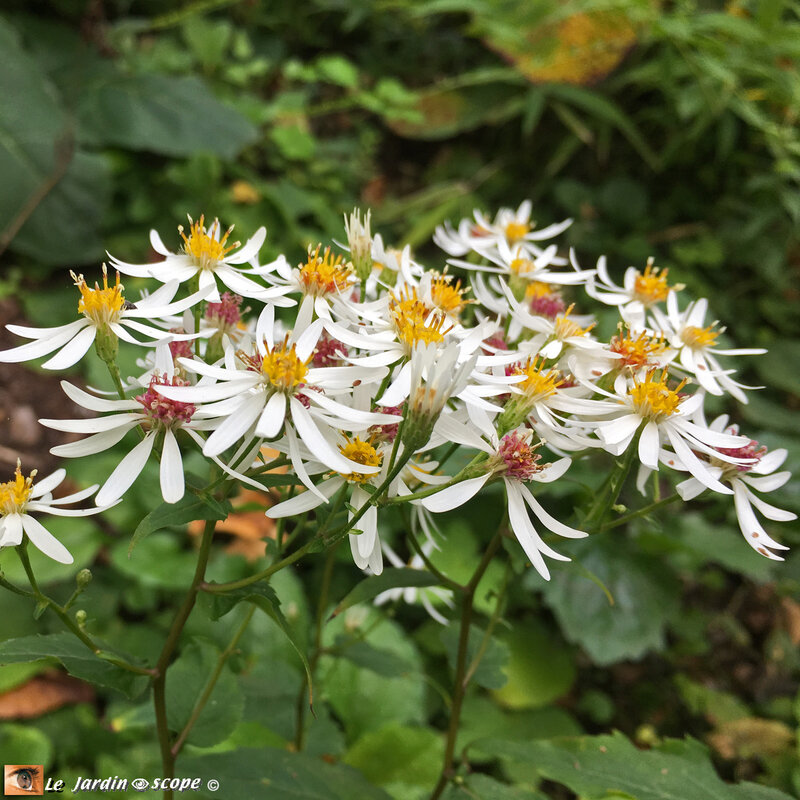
x=598, y=766
x=187, y=679
x=77, y=659
x=493, y=656
x=271, y=774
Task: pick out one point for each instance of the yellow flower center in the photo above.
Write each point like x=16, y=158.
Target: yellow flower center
x=516, y=231
x=283, y=367
x=698, y=338
x=537, y=290
x=100, y=305
x=637, y=352
x=566, y=327
x=414, y=321
x=651, y=285
x=538, y=383
x=203, y=245
x=521, y=266
x=448, y=296
x=14, y=494
x=362, y=453
x=653, y=399
x=326, y=274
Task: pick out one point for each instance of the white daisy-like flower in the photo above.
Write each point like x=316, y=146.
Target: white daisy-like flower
x=662, y=415
x=208, y=257
x=509, y=227
x=757, y=474
x=640, y=290
x=695, y=344
x=514, y=459
x=275, y=390
x=20, y=497
x=103, y=309
x=159, y=417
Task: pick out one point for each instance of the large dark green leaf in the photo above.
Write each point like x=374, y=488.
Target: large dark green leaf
x=645, y=598
x=270, y=774
x=186, y=680
x=162, y=114
x=77, y=659
x=42, y=173
x=493, y=656
x=371, y=587
x=598, y=766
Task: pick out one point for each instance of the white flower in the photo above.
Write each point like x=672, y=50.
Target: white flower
x=639, y=290
x=758, y=473
x=509, y=227
x=513, y=458
x=21, y=496
x=662, y=415
x=207, y=257
x=696, y=348
x=103, y=309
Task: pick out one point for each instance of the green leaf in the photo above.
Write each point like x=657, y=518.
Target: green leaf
x=599, y=766
x=490, y=672
x=24, y=744
x=188, y=509
x=338, y=69
x=263, y=596
x=186, y=680
x=363, y=654
x=541, y=668
x=645, y=600
x=482, y=787
x=37, y=160
x=174, y=116
x=398, y=754
x=389, y=579
x=77, y=659
x=271, y=774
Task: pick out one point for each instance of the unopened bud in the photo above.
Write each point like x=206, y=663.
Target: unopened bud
x=83, y=578
x=80, y=617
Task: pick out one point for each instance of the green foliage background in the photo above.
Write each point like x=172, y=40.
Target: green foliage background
x=117, y=117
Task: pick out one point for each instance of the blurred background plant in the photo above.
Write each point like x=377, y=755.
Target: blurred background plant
x=665, y=129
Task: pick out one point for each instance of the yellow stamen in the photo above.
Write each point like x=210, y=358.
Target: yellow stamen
x=100, y=305
x=637, y=352
x=203, y=245
x=14, y=494
x=566, y=328
x=516, y=231
x=521, y=266
x=411, y=332
x=362, y=452
x=407, y=306
x=651, y=285
x=538, y=382
x=537, y=289
x=448, y=296
x=698, y=338
x=653, y=399
x=326, y=274
x=283, y=367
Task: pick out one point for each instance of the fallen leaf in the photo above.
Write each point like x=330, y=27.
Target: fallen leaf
x=751, y=737
x=42, y=694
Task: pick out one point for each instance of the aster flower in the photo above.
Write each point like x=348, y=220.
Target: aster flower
x=660, y=414
x=509, y=227
x=640, y=289
x=159, y=418
x=20, y=497
x=696, y=347
x=208, y=258
x=755, y=472
x=104, y=313
x=513, y=458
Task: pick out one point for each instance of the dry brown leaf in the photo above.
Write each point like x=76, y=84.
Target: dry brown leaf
x=42, y=694
x=791, y=618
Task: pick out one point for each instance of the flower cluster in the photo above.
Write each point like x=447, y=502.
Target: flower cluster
x=360, y=366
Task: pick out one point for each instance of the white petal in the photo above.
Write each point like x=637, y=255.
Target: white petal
x=235, y=426
x=250, y=248
x=45, y=541
x=550, y=522
x=86, y=400
x=92, y=425
x=650, y=445
x=72, y=352
x=96, y=443
x=272, y=417
x=454, y=496
x=11, y=530
x=46, y=485
x=171, y=471
x=126, y=473
x=524, y=530
x=307, y=500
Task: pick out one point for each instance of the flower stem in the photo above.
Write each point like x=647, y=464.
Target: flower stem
x=212, y=682
x=462, y=676
x=614, y=523
x=159, y=682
